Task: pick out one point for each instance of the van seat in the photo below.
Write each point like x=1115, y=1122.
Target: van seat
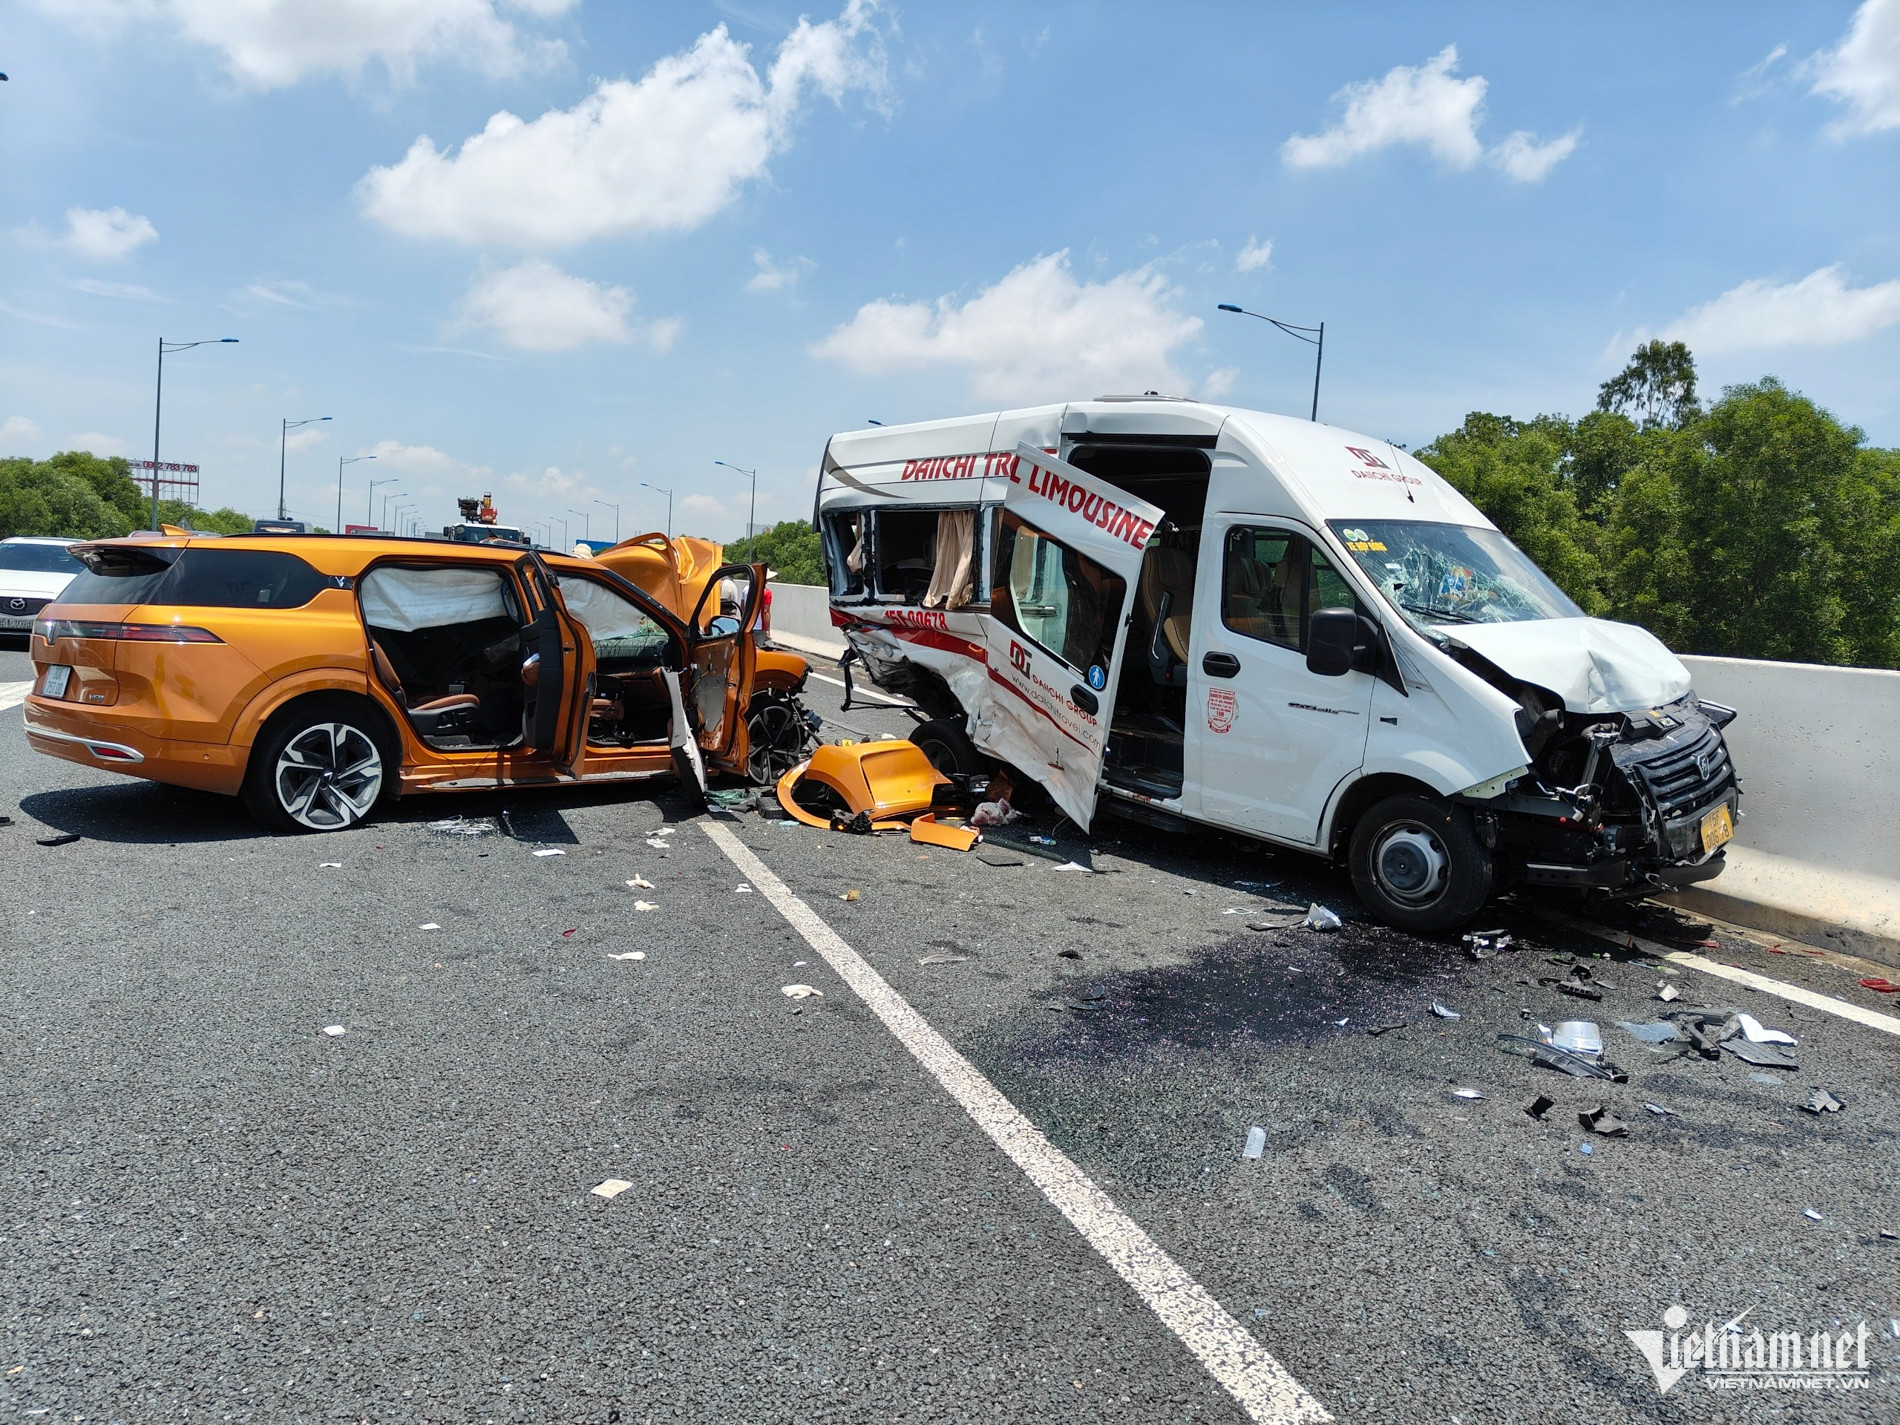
x=1166, y=593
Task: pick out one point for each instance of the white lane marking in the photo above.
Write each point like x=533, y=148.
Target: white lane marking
x=857, y=692
x=1872, y=1018
x=1260, y=1384
x=13, y=694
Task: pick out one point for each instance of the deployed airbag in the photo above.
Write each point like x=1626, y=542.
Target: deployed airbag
x=409, y=600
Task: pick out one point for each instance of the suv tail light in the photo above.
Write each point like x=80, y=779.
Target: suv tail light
x=54, y=629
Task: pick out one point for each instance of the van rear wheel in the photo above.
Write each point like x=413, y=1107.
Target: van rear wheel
x=1418, y=865
x=323, y=768
x=948, y=747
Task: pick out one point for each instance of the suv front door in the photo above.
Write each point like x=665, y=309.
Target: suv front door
x=563, y=654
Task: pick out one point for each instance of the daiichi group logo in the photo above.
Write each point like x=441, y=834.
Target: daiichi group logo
x=1730, y=1359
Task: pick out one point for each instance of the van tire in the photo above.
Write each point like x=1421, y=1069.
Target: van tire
x=1418, y=865
x=339, y=731
x=949, y=748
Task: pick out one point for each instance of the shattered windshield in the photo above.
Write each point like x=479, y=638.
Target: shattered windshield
x=1447, y=573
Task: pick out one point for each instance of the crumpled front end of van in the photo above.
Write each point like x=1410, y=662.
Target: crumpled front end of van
x=1634, y=802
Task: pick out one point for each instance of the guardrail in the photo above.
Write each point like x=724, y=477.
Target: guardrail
x=1817, y=852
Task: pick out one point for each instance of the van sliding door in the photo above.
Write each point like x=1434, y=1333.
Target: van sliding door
x=1066, y=561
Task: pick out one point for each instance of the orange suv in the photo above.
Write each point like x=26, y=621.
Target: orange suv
x=315, y=675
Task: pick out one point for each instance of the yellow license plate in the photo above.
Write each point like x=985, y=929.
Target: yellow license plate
x=1717, y=827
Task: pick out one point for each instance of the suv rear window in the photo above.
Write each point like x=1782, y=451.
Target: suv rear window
x=201, y=578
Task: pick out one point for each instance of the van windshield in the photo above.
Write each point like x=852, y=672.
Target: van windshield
x=1447, y=573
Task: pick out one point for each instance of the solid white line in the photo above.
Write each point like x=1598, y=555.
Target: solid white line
x=1872, y=1018
x=857, y=692
x=1259, y=1383
x=13, y=694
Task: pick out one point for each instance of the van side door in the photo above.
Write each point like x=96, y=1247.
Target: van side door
x=1270, y=739
x=1067, y=558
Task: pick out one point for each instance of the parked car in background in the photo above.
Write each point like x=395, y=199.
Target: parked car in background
x=32, y=573
x=315, y=675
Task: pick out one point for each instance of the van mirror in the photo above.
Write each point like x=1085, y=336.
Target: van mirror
x=1332, y=642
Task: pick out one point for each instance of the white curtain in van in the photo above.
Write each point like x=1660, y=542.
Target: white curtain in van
x=950, y=570
x=407, y=600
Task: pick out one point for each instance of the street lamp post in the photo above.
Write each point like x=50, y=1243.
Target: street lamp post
x=158, y=400
x=616, y=509
x=587, y=528
x=669, y=505
x=283, y=445
x=369, y=512
x=752, y=516
x=1299, y=334
x=340, y=463
x=383, y=523
x=402, y=513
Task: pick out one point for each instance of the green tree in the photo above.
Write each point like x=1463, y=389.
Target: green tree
x=1518, y=473
x=79, y=495
x=1657, y=387
x=789, y=548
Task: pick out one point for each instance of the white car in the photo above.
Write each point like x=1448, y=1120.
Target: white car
x=33, y=572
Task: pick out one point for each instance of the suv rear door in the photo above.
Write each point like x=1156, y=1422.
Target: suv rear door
x=1067, y=559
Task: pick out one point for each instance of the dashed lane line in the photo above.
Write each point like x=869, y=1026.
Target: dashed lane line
x=858, y=692
x=1258, y=1383
x=13, y=694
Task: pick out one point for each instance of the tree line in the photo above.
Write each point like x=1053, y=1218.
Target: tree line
x=78, y=495
x=1758, y=526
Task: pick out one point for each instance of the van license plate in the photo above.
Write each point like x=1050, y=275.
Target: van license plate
x=1717, y=827
x=53, y=685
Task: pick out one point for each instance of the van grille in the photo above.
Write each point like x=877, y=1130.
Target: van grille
x=1682, y=777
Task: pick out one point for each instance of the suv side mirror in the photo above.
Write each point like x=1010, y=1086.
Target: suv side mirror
x=1340, y=640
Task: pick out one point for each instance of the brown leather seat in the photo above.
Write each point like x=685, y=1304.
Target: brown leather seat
x=1166, y=592
x=437, y=714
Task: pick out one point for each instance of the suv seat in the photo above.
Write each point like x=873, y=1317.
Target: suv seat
x=454, y=713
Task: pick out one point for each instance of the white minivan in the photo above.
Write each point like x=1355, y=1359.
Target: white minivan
x=1186, y=613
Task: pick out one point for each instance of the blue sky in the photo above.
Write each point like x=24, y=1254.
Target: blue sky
x=554, y=249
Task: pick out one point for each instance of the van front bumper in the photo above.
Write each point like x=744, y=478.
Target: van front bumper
x=60, y=729
x=1625, y=874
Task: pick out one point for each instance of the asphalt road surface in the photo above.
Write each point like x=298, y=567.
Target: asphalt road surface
x=215, y=1211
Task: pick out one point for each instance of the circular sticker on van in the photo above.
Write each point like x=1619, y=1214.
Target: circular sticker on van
x=1098, y=676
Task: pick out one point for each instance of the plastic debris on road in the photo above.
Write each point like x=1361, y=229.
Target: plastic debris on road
x=67, y=840
x=640, y=883
x=1754, y=1033
x=1377, y=1030
x=1601, y=1120
x=1050, y=841
x=1320, y=918
x=1666, y=991
x=430, y=926
x=1762, y=1056
x=1659, y=1031
x=943, y=959
x=742, y=890
x=1467, y=1093
x=566, y=933
x=1070, y=954
x=854, y=894
x=1821, y=1101
x=657, y=844
x=1540, y=1106
x=1880, y=985
x=801, y=992
x=610, y=1189
x=629, y=955
x=999, y=859
x=1810, y=1212
x=1445, y=1011
x=465, y=826
x=1578, y=1036
x=1075, y=866
x=1585, y=1149
x=645, y=905
x=550, y=851
x=335, y=1031
x=329, y=865
x=1256, y=1142
x=1483, y=944
x=1660, y=1111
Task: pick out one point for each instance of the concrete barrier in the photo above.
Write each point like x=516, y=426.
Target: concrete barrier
x=1816, y=855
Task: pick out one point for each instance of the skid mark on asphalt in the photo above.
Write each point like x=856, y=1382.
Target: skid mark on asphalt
x=13, y=694
x=1259, y=1383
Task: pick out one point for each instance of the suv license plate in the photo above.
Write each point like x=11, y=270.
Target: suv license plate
x=53, y=685
x=1717, y=827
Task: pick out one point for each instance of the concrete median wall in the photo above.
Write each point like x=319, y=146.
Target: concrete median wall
x=1817, y=852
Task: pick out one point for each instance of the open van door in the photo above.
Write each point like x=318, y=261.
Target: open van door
x=720, y=656
x=1067, y=560
x=563, y=686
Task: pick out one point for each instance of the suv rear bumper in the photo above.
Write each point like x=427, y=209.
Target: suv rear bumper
x=60, y=729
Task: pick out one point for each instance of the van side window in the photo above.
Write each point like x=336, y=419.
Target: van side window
x=1060, y=600
x=1272, y=581
x=846, y=551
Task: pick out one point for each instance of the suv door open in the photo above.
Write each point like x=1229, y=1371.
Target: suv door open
x=720, y=655
x=1068, y=554
x=559, y=649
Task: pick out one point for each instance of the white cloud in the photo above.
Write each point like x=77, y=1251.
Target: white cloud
x=1219, y=383
x=19, y=428
x=107, y=234
x=1524, y=160
x=1036, y=335
x=662, y=154
x=1819, y=310
x=1255, y=255
x=271, y=43
x=1430, y=107
x=305, y=438
x=1864, y=71
x=118, y=291
x=534, y=306
x=393, y=457
x=773, y=274
x=702, y=505
x=552, y=481
x=98, y=444
x=300, y=296
x=1755, y=81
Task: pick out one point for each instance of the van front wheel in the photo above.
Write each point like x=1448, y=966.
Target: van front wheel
x=1417, y=864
